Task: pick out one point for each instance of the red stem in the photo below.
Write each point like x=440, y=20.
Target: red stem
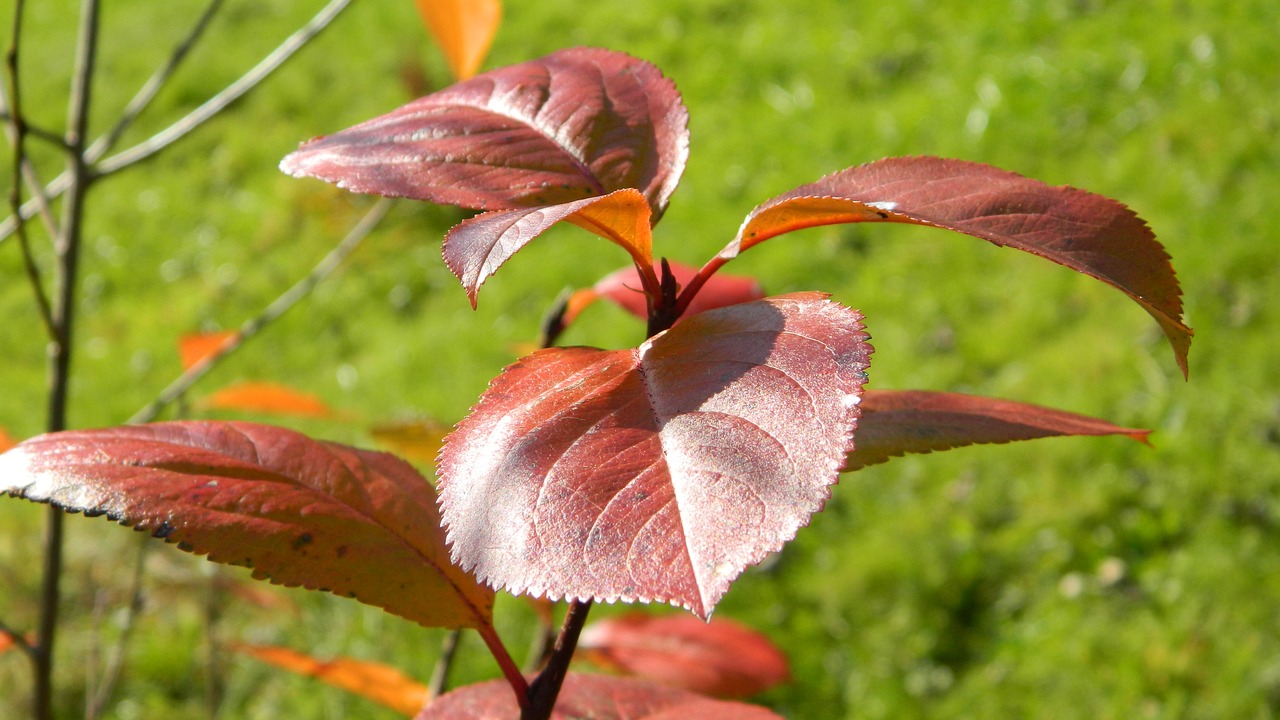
x=509, y=670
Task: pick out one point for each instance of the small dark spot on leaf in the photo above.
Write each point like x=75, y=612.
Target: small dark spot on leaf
x=185, y=546
x=302, y=541
x=883, y=215
x=341, y=551
x=163, y=531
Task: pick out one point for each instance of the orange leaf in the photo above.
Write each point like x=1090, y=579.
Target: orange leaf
x=261, y=397
x=380, y=683
x=415, y=439
x=197, y=346
x=6, y=440
x=720, y=657
x=464, y=29
x=6, y=642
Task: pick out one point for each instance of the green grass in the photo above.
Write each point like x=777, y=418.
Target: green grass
x=1058, y=579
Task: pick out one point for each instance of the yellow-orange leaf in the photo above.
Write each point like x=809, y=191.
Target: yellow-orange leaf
x=262, y=397
x=418, y=440
x=6, y=441
x=464, y=29
x=197, y=346
x=6, y=642
x=380, y=683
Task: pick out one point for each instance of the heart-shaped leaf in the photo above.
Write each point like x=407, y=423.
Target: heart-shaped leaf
x=598, y=697
x=464, y=29
x=897, y=422
x=475, y=249
x=298, y=511
x=577, y=123
x=657, y=473
x=1088, y=233
x=383, y=684
x=720, y=657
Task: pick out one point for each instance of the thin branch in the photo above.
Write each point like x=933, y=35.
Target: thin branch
x=195, y=118
x=230, y=94
x=115, y=662
x=440, y=674
x=103, y=144
x=19, y=641
x=17, y=130
x=67, y=251
x=545, y=688
x=278, y=307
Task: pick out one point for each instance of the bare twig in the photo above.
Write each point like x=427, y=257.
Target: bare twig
x=103, y=144
x=115, y=662
x=230, y=94
x=67, y=251
x=440, y=674
x=195, y=118
x=18, y=640
x=278, y=307
x=17, y=130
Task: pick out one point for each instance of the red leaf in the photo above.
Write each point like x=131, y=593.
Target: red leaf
x=577, y=123
x=298, y=511
x=719, y=657
x=197, y=346
x=261, y=397
x=1088, y=233
x=464, y=29
x=625, y=288
x=475, y=249
x=896, y=422
x=597, y=697
x=657, y=473
x=383, y=684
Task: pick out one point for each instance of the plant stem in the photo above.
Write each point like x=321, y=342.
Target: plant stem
x=509, y=670
x=17, y=127
x=115, y=661
x=546, y=687
x=67, y=253
x=211, y=108
x=440, y=675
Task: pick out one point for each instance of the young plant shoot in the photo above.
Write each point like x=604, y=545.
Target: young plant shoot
x=654, y=474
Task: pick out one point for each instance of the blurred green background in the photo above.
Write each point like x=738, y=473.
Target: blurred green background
x=1056, y=579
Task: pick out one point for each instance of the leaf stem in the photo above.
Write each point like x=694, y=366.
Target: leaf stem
x=546, y=687
x=509, y=670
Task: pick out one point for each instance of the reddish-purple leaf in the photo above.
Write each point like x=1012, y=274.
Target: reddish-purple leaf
x=298, y=511
x=720, y=657
x=657, y=473
x=625, y=288
x=576, y=123
x=897, y=422
x=475, y=248
x=1088, y=233
x=598, y=697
